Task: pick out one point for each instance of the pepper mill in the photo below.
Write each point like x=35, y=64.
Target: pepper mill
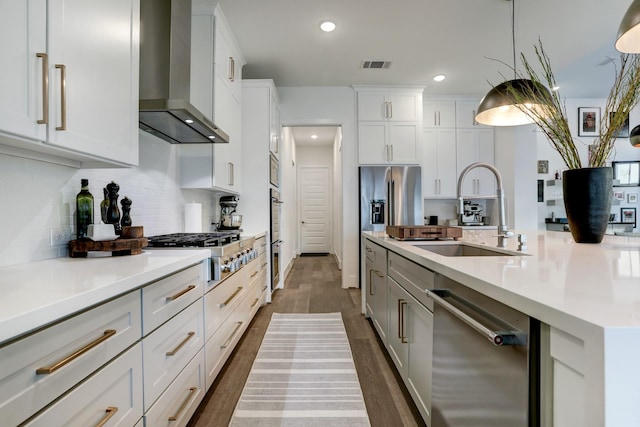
x=126, y=211
x=113, y=212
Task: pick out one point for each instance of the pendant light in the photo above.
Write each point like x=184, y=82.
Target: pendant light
x=628, y=40
x=500, y=107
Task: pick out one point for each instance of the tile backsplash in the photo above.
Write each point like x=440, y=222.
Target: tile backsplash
x=39, y=197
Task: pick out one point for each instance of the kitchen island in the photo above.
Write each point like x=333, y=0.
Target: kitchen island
x=586, y=296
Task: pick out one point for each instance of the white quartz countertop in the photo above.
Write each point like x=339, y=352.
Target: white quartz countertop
x=558, y=281
x=38, y=293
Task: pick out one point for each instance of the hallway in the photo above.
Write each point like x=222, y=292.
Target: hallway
x=313, y=286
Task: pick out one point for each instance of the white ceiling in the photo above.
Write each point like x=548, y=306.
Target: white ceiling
x=280, y=39
x=326, y=135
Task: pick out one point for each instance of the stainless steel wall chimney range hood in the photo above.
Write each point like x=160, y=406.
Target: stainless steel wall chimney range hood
x=165, y=72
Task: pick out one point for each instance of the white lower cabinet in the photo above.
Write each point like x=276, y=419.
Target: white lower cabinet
x=398, y=300
x=180, y=400
x=113, y=396
x=167, y=297
x=41, y=367
x=376, y=288
x=168, y=349
x=410, y=344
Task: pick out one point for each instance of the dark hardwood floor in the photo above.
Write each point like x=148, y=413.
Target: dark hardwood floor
x=313, y=286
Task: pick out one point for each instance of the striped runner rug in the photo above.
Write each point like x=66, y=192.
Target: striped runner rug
x=303, y=375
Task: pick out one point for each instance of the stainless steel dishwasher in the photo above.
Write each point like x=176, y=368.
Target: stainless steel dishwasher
x=485, y=361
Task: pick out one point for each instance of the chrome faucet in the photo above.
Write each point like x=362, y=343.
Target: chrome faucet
x=503, y=232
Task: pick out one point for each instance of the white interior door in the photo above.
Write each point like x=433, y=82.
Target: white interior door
x=315, y=209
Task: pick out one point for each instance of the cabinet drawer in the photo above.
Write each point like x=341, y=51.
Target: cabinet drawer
x=261, y=245
x=412, y=277
x=222, y=300
x=167, y=350
x=178, y=403
x=165, y=298
x=23, y=391
x=114, y=393
x=257, y=289
x=221, y=344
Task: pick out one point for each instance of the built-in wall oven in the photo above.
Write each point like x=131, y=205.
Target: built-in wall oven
x=274, y=232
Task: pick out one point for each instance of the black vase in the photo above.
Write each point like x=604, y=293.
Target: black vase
x=587, y=201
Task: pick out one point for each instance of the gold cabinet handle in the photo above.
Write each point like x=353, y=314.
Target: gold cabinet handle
x=255, y=302
x=232, y=69
x=184, y=404
x=403, y=338
x=233, y=295
x=264, y=289
x=175, y=350
x=233, y=334
x=380, y=275
x=263, y=265
x=400, y=319
x=371, y=283
x=45, y=88
x=110, y=412
x=63, y=97
x=48, y=370
x=253, y=275
x=182, y=292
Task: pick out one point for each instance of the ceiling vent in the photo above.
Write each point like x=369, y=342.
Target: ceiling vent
x=376, y=65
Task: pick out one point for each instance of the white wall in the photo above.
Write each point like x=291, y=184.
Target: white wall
x=332, y=106
x=337, y=198
x=39, y=196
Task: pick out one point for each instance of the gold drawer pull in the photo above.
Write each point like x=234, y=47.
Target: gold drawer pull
x=255, y=302
x=48, y=370
x=253, y=275
x=45, y=88
x=233, y=295
x=182, y=292
x=175, y=350
x=184, y=404
x=264, y=265
x=63, y=97
x=265, y=288
x=110, y=412
x=233, y=334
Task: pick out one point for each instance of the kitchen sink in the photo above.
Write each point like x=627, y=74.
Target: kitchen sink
x=460, y=249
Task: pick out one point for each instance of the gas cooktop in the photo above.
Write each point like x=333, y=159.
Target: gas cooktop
x=199, y=240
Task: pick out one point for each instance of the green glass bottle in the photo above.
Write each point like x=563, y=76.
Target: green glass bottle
x=84, y=210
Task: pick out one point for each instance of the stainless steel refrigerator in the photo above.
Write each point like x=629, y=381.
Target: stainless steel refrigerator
x=390, y=195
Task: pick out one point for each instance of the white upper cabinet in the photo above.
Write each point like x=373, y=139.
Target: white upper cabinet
x=439, y=176
x=439, y=113
x=216, y=90
x=70, y=79
x=466, y=114
x=389, y=125
x=476, y=145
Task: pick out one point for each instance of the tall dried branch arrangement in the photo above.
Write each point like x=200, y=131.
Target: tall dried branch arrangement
x=551, y=117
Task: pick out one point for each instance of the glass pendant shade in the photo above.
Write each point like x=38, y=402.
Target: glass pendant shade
x=499, y=107
x=629, y=31
x=634, y=137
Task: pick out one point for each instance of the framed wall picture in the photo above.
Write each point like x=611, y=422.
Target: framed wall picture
x=632, y=198
x=618, y=195
x=628, y=216
x=588, y=121
x=623, y=132
x=543, y=166
x=626, y=173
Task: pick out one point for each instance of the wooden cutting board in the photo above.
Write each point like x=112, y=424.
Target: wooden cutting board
x=423, y=232
x=118, y=247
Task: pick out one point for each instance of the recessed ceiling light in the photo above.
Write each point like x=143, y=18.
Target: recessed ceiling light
x=439, y=77
x=211, y=137
x=327, y=26
x=555, y=88
x=188, y=121
x=314, y=136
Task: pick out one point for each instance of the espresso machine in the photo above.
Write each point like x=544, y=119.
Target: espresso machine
x=472, y=214
x=229, y=219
